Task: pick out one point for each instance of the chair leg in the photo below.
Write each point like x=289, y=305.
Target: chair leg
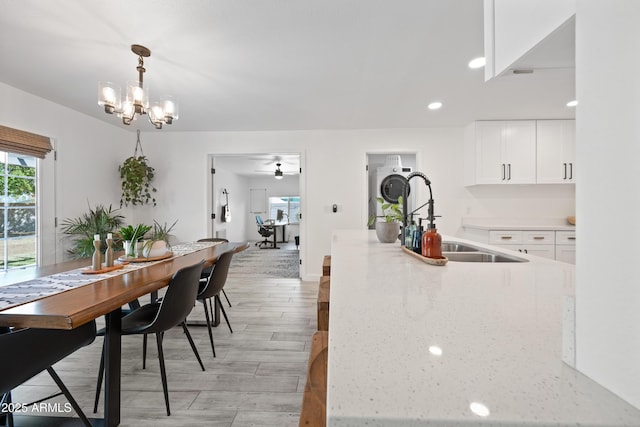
x=100, y=376
x=227, y=298
x=144, y=351
x=6, y=417
x=224, y=313
x=70, y=398
x=163, y=373
x=193, y=346
x=208, y=318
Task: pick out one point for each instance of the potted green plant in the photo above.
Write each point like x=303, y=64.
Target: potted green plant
x=136, y=176
x=158, y=244
x=388, y=229
x=99, y=220
x=131, y=236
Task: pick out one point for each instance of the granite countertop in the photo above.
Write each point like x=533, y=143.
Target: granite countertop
x=539, y=224
x=411, y=344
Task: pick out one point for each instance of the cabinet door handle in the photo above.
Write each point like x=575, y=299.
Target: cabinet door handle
x=503, y=172
x=509, y=169
x=565, y=171
x=538, y=237
x=525, y=251
x=571, y=238
x=506, y=237
x=570, y=170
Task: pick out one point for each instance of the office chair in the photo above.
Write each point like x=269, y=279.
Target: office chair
x=27, y=352
x=159, y=317
x=210, y=287
x=264, y=232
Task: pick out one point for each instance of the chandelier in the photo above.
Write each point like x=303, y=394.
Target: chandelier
x=136, y=101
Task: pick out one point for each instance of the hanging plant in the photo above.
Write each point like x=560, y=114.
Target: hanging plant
x=136, y=176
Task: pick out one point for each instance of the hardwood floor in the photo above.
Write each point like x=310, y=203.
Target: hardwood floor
x=257, y=378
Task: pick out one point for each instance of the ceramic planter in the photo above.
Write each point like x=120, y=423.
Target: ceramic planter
x=387, y=232
x=154, y=248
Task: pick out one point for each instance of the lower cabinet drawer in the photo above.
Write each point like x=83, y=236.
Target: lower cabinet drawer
x=502, y=237
x=538, y=237
x=565, y=237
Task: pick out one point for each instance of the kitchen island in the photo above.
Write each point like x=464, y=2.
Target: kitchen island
x=412, y=344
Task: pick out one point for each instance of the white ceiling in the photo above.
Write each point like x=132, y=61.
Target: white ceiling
x=274, y=64
x=259, y=165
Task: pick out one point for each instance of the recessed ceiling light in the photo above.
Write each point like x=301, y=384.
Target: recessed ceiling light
x=572, y=103
x=435, y=105
x=435, y=350
x=477, y=63
x=479, y=409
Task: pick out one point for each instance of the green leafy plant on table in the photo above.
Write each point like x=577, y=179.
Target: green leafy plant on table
x=131, y=235
x=391, y=212
x=99, y=220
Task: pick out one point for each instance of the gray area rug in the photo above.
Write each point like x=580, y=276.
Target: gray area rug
x=283, y=262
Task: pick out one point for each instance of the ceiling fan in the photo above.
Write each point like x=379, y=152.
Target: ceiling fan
x=279, y=173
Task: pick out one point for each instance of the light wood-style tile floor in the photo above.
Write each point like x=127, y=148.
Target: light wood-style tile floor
x=257, y=378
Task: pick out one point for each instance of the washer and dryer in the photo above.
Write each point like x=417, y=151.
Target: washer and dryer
x=390, y=179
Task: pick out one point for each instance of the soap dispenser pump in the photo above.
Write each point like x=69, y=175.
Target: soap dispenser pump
x=432, y=242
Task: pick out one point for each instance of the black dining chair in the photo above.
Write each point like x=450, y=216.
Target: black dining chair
x=160, y=316
x=207, y=270
x=27, y=352
x=211, y=288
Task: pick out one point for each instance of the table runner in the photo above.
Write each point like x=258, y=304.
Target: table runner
x=34, y=289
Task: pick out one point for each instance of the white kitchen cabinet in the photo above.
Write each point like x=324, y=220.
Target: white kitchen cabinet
x=540, y=243
x=556, y=151
x=504, y=152
x=566, y=246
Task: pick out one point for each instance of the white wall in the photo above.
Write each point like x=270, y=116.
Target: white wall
x=238, y=188
x=608, y=201
x=86, y=171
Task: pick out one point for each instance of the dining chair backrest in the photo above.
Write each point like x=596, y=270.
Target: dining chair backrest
x=179, y=299
x=218, y=276
x=27, y=352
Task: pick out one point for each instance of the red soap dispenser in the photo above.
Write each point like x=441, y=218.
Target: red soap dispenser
x=431, y=243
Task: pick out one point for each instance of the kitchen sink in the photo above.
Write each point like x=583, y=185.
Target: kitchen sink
x=458, y=247
x=481, y=257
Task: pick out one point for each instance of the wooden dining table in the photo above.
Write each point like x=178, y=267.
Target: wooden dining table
x=75, y=307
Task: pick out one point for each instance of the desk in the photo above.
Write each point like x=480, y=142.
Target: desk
x=275, y=227
x=73, y=308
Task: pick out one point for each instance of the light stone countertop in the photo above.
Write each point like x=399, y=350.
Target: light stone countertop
x=499, y=327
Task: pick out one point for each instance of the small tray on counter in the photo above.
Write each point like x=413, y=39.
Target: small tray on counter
x=433, y=261
x=88, y=270
x=143, y=259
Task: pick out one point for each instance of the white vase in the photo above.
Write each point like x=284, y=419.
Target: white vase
x=154, y=248
x=387, y=232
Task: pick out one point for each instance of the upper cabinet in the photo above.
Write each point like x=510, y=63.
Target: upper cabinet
x=503, y=152
x=556, y=146
x=520, y=152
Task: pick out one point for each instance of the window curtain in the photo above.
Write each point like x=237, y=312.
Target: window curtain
x=21, y=142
